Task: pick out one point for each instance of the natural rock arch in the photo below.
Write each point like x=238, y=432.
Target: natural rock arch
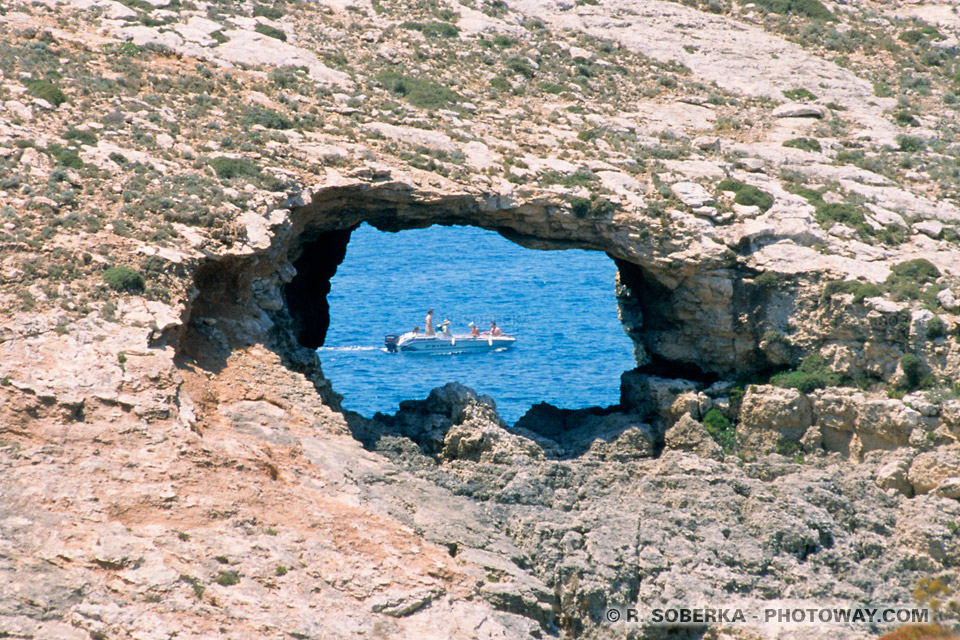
x=685, y=317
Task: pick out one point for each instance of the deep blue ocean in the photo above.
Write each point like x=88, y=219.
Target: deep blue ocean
x=560, y=305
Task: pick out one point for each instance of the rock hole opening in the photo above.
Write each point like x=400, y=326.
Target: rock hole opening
x=571, y=348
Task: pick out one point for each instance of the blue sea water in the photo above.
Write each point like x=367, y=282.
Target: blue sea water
x=560, y=305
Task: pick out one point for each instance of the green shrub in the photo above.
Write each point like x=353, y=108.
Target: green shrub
x=228, y=578
x=83, y=137
x=433, y=29
x=813, y=373
x=919, y=270
x=799, y=94
x=747, y=195
x=418, y=91
x=46, y=90
x=268, y=118
x=813, y=9
x=720, y=429
x=520, y=66
x=65, y=156
x=912, y=370
x=860, y=290
x=124, y=279
x=272, y=32
x=806, y=144
x=552, y=87
x=593, y=207
x=269, y=12
x=281, y=570
x=504, y=41
x=924, y=33
x=830, y=213
x=229, y=168
x=911, y=144
x=767, y=280
x=935, y=328
x=905, y=119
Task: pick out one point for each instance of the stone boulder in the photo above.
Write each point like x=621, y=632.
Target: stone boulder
x=691, y=194
x=771, y=416
x=690, y=435
x=798, y=110
x=931, y=469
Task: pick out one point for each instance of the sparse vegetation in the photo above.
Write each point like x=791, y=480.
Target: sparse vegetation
x=799, y=94
x=812, y=374
x=813, y=9
x=746, y=194
x=228, y=578
x=720, y=429
x=272, y=32
x=418, y=91
x=46, y=90
x=124, y=279
x=806, y=144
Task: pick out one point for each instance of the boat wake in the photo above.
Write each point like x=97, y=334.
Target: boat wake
x=351, y=348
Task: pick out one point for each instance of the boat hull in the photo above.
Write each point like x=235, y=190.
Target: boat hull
x=441, y=345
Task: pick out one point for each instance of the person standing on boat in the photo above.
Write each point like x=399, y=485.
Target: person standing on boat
x=429, y=324
x=445, y=328
x=474, y=330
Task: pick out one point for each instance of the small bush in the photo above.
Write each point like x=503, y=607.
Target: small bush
x=830, y=213
x=767, y=280
x=720, y=429
x=935, y=328
x=229, y=168
x=46, y=91
x=747, y=195
x=83, y=137
x=905, y=119
x=228, y=578
x=268, y=118
x=124, y=279
x=813, y=373
x=418, y=91
x=433, y=29
x=919, y=270
x=799, y=94
x=912, y=370
x=281, y=570
x=925, y=33
x=910, y=144
x=806, y=144
x=272, y=32
x=813, y=9
x=266, y=11
x=860, y=290
x=593, y=207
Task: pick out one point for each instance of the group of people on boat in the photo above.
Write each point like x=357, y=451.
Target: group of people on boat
x=475, y=332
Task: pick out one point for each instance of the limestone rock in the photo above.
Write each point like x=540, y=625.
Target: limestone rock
x=689, y=435
x=893, y=475
x=770, y=416
x=691, y=194
x=798, y=110
x=932, y=468
x=948, y=300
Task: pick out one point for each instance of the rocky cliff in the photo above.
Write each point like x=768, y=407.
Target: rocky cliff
x=776, y=182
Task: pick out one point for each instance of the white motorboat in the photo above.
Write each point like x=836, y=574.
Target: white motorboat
x=442, y=344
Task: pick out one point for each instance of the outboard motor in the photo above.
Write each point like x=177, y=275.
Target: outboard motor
x=390, y=341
